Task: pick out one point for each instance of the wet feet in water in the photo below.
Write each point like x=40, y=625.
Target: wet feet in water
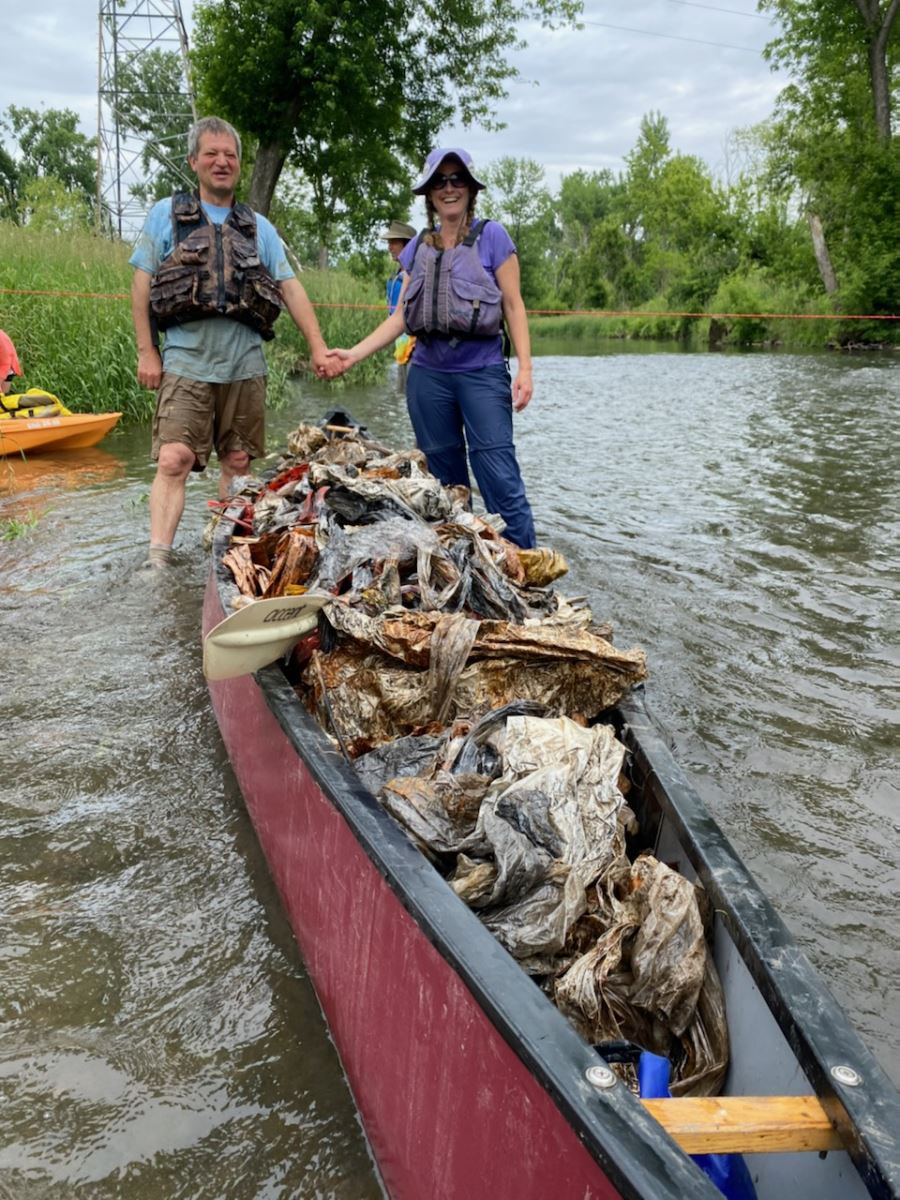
x=158, y=558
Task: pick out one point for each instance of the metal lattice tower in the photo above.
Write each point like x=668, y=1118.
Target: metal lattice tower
x=145, y=105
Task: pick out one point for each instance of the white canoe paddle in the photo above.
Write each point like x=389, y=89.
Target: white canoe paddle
x=259, y=633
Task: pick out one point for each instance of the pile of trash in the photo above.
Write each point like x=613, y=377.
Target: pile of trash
x=466, y=690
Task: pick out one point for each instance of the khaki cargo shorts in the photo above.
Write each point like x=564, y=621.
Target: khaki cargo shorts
x=204, y=416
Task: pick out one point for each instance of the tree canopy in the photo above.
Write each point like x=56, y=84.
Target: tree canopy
x=352, y=94
x=49, y=145
x=831, y=142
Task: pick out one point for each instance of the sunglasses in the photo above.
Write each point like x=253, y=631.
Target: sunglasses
x=456, y=179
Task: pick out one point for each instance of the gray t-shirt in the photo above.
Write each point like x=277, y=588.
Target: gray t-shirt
x=216, y=349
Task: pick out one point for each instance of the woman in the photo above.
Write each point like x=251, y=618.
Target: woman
x=459, y=279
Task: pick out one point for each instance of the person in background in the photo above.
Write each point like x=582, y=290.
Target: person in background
x=9, y=363
x=398, y=235
x=213, y=274
x=460, y=282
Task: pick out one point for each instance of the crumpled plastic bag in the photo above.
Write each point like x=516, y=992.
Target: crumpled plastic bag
x=535, y=928
x=305, y=441
x=345, y=550
x=408, y=636
x=417, y=492
x=375, y=698
x=439, y=813
x=558, y=790
x=650, y=979
x=541, y=566
x=403, y=757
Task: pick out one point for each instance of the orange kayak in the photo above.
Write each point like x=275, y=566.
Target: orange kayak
x=38, y=420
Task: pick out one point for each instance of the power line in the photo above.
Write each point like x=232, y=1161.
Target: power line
x=734, y=12
x=674, y=37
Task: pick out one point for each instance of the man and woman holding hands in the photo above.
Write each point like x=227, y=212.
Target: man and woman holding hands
x=205, y=256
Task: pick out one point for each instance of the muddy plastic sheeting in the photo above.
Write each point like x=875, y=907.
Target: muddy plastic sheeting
x=470, y=694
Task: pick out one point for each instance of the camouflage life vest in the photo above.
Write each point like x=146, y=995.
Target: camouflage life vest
x=214, y=271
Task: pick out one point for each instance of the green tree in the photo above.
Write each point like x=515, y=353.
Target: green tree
x=351, y=94
x=49, y=206
x=831, y=142
x=643, y=166
x=49, y=145
x=770, y=235
x=585, y=198
x=152, y=102
x=829, y=46
x=9, y=185
x=518, y=197
x=591, y=250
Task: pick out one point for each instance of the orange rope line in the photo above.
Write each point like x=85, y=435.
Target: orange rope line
x=534, y=312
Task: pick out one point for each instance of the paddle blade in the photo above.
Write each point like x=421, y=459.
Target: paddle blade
x=259, y=634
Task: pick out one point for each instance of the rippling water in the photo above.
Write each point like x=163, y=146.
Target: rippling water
x=737, y=515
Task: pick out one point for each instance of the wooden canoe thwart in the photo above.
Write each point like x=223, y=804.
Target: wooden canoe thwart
x=452, y=730
x=746, y=1124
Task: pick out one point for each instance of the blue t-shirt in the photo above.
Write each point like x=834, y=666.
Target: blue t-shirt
x=392, y=290
x=435, y=352
x=216, y=349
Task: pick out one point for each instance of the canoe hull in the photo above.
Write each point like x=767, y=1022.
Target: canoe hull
x=449, y=1108
x=468, y=1081
x=21, y=436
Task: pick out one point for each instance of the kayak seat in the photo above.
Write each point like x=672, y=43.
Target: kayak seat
x=20, y=403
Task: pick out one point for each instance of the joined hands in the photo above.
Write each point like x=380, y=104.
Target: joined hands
x=331, y=364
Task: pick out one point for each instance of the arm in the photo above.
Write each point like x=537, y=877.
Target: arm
x=149, y=370
x=517, y=323
x=303, y=315
x=383, y=335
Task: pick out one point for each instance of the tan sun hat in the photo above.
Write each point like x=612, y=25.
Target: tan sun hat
x=398, y=230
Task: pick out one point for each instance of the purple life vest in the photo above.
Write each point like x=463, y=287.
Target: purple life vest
x=450, y=293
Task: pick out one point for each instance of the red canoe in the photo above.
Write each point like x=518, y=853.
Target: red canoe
x=470, y=1084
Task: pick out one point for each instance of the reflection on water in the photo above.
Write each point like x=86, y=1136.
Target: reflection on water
x=63, y=471
x=736, y=515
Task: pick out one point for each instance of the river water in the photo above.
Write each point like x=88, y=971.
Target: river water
x=737, y=515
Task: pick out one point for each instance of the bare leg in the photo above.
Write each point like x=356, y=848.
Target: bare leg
x=234, y=463
x=167, y=492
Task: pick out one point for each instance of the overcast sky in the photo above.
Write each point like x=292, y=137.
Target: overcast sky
x=579, y=102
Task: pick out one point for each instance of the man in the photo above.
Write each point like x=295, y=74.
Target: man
x=9, y=363
x=397, y=235
x=212, y=274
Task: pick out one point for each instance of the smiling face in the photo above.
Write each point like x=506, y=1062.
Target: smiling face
x=450, y=196
x=217, y=167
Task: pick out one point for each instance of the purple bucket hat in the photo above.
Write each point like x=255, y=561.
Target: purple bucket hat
x=434, y=160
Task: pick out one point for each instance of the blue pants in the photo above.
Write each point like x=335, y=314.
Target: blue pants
x=449, y=409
